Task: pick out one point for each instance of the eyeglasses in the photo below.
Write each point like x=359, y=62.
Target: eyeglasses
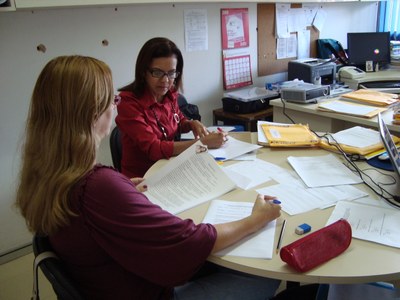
x=117, y=99
x=157, y=73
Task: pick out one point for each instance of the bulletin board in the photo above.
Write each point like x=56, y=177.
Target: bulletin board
x=267, y=62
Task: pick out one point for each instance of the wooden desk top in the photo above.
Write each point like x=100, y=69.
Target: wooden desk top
x=245, y=117
x=312, y=109
x=362, y=262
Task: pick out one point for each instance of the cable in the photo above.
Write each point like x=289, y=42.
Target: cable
x=351, y=159
x=374, y=186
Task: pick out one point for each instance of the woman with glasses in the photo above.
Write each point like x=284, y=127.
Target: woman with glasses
x=114, y=242
x=149, y=116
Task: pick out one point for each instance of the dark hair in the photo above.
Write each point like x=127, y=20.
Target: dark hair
x=154, y=48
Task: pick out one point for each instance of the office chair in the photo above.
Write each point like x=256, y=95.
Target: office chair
x=54, y=270
x=116, y=148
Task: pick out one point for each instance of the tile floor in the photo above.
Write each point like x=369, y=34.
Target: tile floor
x=16, y=280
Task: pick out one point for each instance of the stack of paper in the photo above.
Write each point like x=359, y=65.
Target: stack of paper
x=355, y=140
x=289, y=135
x=349, y=108
x=372, y=97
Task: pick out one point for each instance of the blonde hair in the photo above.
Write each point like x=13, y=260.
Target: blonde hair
x=70, y=94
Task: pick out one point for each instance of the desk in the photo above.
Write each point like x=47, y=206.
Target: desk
x=249, y=121
x=392, y=74
x=362, y=262
x=326, y=121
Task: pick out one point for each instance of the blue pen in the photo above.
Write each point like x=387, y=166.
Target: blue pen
x=219, y=158
x=276, y=201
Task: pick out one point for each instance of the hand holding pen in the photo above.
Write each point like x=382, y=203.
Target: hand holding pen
x=265, y=209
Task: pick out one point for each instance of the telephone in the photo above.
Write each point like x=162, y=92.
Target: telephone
x=350, y=73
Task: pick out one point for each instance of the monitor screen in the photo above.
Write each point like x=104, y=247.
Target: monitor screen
x=364, y=47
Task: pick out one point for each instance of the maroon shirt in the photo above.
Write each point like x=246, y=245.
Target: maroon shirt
x=143, y=142
x=122, y=246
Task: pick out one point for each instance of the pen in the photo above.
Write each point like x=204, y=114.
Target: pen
x=219, y=158
x=278, y=246
x=276, y=201
x=219, y=129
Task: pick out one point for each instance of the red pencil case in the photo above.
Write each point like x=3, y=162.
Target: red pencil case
x=318, y=247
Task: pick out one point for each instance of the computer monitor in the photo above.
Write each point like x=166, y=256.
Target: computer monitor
x=391, y=150
x=365, y=47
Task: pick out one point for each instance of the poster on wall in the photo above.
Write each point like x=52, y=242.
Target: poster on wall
x=235, y=28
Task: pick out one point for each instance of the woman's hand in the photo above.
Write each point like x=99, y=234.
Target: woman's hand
x=215, y=140
x=138, y=180
x=264, y=210
x=198, y=129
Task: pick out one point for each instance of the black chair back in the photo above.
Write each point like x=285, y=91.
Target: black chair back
x=116, y=148
x=54, y=270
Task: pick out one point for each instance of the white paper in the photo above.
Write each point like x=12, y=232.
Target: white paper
x=189, y=135
x=296, y=199
x=371, y=223
x=257, y=245
x=248, y=174
x=282, y=11
x=357, y=136
x=326, y=170
x=343, y=107
x=196, y=30
x=232, y=148
x=187, y=180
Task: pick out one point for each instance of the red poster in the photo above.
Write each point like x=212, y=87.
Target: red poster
x=235, y=28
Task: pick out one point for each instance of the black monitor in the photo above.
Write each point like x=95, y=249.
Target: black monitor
x=368, y=46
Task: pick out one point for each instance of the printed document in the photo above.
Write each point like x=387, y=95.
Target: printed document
x=232, y=149
x=324, y=170
x=258, y=245
x=371, y=223
x=191, y=178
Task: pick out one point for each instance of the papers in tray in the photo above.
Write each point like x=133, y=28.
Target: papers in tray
x=372, y=97
x=355, y=140
x=350, y=108
x=252, y=93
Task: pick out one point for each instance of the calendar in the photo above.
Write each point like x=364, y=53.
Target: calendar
x=237, y=71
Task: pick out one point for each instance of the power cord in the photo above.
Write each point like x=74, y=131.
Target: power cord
x=351, y=159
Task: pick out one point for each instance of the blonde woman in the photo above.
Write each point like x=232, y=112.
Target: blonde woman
x=115, y=243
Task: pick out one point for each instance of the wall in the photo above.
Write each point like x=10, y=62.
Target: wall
x=81, y=31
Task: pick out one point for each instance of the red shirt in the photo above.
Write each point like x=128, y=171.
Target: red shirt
x=143, y=142
x=122, y=246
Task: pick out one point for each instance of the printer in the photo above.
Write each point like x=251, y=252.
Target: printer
x=313, y=70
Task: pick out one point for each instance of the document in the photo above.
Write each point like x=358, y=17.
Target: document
x=232, y=148
x=191, y=178
x=296, y=199
x=257, y=245
x=372, y=97
x=349, y=108
x=371, y=223
x=326, y=170
x=248, y=174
